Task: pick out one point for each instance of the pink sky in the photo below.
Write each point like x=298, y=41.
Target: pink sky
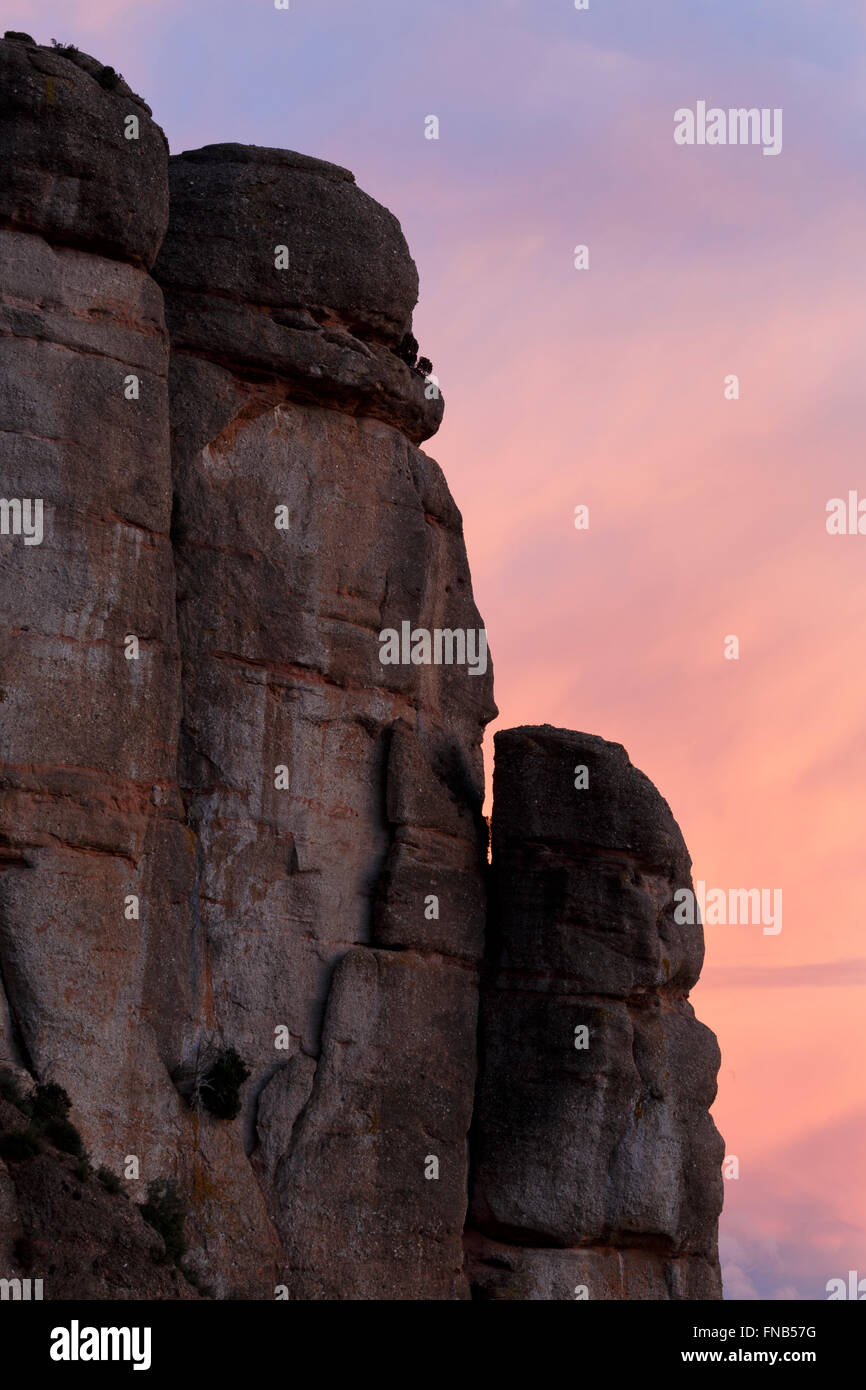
x=605, y=387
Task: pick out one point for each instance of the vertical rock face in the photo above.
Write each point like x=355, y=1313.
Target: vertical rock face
x=595, y=1160
x=332, y=798
x=89, y=800
x=240, y=806
x=97, y=956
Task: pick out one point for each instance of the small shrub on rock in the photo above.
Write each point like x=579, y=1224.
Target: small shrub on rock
x=110, y=1181
x=17, y=1145
x=407, y=349
x=49, y=1102
x=221, y=1086
x=213, y=1080
x=165, y=1211
x=65, y=1137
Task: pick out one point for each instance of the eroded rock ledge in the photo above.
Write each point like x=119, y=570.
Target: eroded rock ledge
x=321, y=318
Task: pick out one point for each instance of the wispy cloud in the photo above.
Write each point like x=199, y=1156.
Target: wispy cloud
x=826, y=974
x=791, y=1223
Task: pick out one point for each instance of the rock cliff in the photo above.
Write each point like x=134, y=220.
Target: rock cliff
x=596, y=1165
x=233, y=817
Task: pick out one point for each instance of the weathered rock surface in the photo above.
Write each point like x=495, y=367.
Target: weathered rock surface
x=252, y=832
x=593, y=1148
x=99, y=992
x=89, y=798
x=80, y=1240
x=360, y=1210
x=72, y=173
x=330, y=795
x=279, y=263
x=502, y=1272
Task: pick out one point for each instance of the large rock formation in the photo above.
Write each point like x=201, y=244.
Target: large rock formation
x=91, y=816
x=329, y=794
x=232, y=815
x=595, y=1160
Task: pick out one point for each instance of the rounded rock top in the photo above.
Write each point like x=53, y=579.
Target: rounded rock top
x=84, y=164
x=230, y=152
x=284, y=230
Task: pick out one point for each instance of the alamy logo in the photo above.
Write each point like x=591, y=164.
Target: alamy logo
x=444, y=646
x=20, y=1290
x=22, y=516
x=846, y=521
x=75, y=1343
x=856, y=1288
x=736, y=907
x=736, y=126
